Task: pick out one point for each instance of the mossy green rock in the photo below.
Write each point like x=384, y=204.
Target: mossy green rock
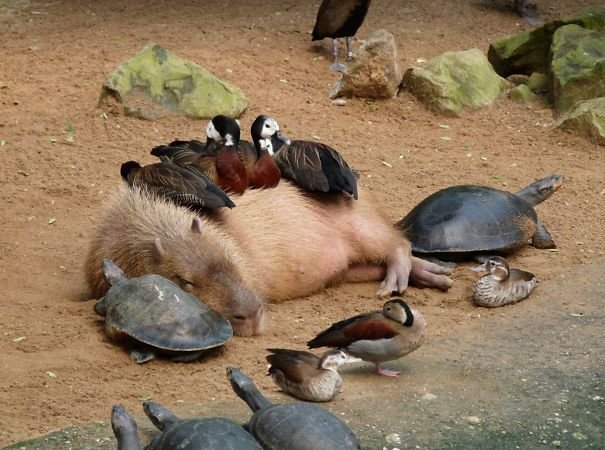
x=155, y=83
x=578, y=66
x=587, y=119
x=537, y=82
x=453, y=81
x=528, y=52
x=522, y=94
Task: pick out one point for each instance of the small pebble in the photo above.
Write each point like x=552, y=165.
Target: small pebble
x=473, y=419
x=339, y=102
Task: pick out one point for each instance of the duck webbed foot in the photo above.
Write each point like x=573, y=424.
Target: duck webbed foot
x=385, y=372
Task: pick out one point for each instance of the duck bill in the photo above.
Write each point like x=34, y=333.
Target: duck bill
x=282, y=138
x=480, y=268
x=352, y=359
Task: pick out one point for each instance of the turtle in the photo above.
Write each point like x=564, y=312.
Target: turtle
x=466, y=221
x=292, y=426
x=214, y=433
x=152, y=315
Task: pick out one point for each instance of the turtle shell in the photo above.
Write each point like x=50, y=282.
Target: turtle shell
x=469, y=218
x=205, y=434
x=153, y=310
x=300, y=426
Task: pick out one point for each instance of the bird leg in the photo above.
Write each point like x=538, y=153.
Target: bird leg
x=336, y=66
x=349, y=51
x=386, y=372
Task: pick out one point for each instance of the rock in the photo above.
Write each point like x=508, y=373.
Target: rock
x=517, y=79
x=538, y=82
x=156, y=83
x=522, y=94
x=578, y=66
x=453, y=81
x=528, y=51
x=374, y=73
x=587, y=119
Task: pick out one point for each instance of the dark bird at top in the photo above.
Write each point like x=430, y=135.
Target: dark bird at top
x=338, y=19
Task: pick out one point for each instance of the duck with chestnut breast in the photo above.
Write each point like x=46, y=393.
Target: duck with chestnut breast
x=177, y=184
x=502, y=285
x=338, y=19
x=308, y=376
x=314, y=166
x=218, y=159
x=377, y=336
x=261, y=169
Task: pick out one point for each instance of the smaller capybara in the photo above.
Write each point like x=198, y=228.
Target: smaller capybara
x=277, y=244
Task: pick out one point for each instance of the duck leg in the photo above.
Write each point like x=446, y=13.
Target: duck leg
x=336, y=66
x=348, y=40
x=385, y=372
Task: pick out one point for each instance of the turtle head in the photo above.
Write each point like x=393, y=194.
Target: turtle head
x=113, y=274
x=159, y=416
x=540, y=190
x=124, y=428
x=101, y=307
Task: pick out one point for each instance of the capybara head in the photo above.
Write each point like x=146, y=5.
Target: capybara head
x=204, y=268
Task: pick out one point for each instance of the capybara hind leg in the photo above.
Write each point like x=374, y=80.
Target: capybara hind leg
x=361, y=273
x=428, y=274
x=397, y=273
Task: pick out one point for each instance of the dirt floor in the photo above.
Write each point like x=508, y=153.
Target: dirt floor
x=61, y=158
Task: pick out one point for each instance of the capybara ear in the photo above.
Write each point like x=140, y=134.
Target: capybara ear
x=158, y=249
x=197, y=225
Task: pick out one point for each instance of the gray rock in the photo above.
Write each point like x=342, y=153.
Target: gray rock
x=528, y=52
x=156, y=83
x=587, y=119
x=374, y=73
x=578, y=66
x=453, y=81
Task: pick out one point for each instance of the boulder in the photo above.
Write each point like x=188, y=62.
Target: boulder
x=374, y=73
x=587, y=119
x=156, y=83
x=522, y=94
x=537, y=82
x=453, y=81
x=528, y=51
x=578, y=66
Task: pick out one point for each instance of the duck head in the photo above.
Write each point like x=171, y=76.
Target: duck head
x=496, y=266
x=333, y=359
x=223, y=129
x=267, y=135
x=399, y=311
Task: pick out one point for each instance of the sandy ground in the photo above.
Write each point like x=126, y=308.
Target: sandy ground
x=57, y=367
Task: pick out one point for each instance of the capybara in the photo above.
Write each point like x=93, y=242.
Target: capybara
x=276, y=244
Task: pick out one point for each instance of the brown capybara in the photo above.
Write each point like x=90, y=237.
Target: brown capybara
x=277, y=244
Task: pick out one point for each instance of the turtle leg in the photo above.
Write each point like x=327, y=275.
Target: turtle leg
x=542, y=238
x=428, y=274
x=140, y=355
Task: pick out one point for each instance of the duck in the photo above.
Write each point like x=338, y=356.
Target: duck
x=313, y=166
x=177, y=184
x=307, y=376
x=218, y=158
x=338, y=19
x=261, y=169
x=502, y=285
x=377, y=336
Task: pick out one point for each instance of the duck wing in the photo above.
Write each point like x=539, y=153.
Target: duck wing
x=296, y=365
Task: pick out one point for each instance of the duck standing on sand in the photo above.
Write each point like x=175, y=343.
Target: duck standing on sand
x=377, y=336
x=502, y=285
x=307, y=376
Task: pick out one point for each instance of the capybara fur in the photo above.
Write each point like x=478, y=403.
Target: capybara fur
x=276, y=244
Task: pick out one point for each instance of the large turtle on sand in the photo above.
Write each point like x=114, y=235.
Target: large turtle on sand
x=462, y=221
x=291, y=426
x=154, y=316
x=214, y=433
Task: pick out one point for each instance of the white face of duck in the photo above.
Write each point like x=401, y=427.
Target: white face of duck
x=333, y=359
x=270, y=127
x=212, y=133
